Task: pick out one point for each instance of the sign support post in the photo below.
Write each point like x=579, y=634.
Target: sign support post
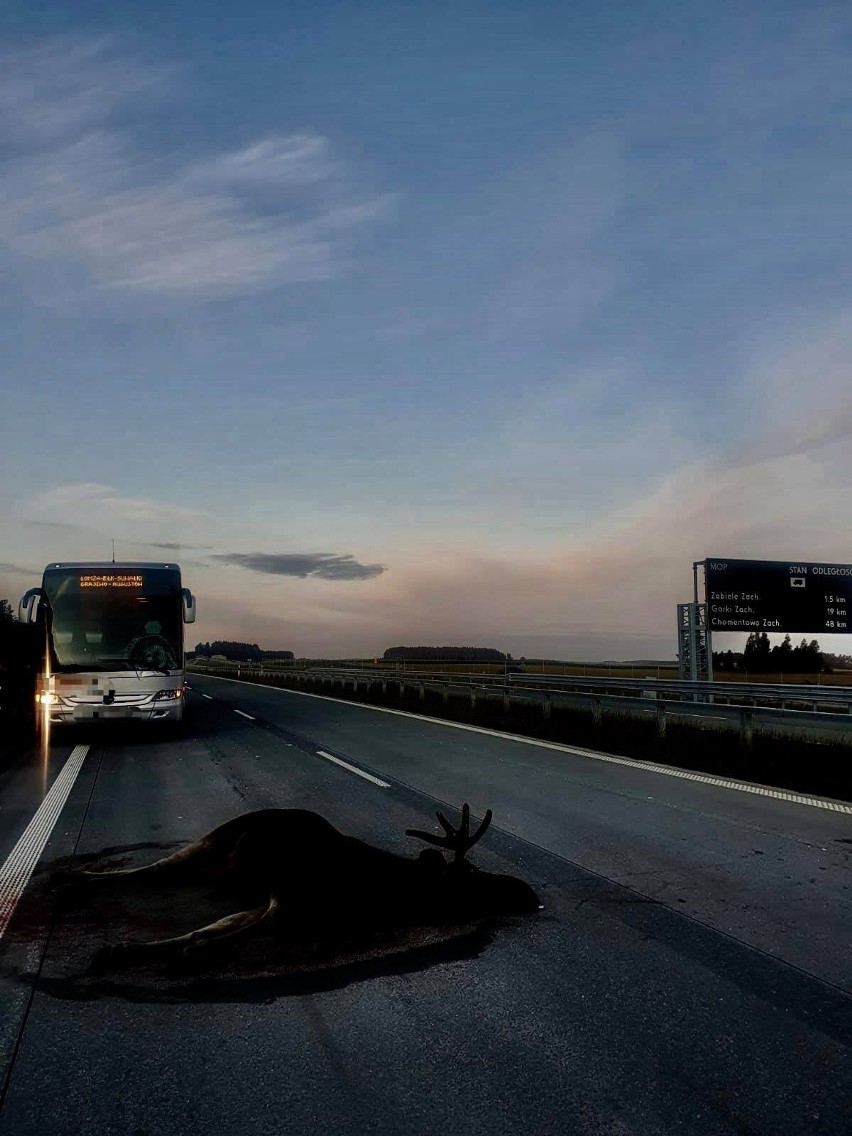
x=692, y=642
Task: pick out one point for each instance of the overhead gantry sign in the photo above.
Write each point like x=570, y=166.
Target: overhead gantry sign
x=778, y=596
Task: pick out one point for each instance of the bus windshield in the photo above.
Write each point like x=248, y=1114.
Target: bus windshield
x=128, y=618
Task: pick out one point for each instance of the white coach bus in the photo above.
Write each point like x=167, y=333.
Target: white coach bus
x=114, y=641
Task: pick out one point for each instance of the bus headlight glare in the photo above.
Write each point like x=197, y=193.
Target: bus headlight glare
x=47, y=698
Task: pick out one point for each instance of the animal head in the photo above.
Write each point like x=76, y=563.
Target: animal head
x=461, y=884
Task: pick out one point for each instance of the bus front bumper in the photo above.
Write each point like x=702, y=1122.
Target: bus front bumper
x=69, y=712
x=117, y=714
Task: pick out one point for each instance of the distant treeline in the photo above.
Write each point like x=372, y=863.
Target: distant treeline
x=759, y=658
x=448, y=654
x=19, y=642
x=239, y=652
x=20, y=657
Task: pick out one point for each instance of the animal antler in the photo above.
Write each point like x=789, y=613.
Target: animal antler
x=457, y=840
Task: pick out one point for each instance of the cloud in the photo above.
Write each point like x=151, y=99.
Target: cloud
x=19, y=569
x=322, y=565
x=549, y=221
x=607, y=586
x=168, y=545
x=69, y=84
x=51, y=525
x=79, y=191
x=88, y=497
x=798, y=387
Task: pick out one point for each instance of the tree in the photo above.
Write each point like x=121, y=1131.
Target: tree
x=757, y=656
x=814, y=657
x=448, y=654
x=238, y=652
x=807, y=658
x=782, y=657
x=19, y=662
x=725, y=661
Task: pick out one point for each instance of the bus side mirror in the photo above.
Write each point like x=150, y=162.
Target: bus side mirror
x=28, y=606
x=188, y=605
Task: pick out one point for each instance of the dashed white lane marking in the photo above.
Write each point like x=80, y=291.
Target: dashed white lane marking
x=595, y=755
x=354, y=769
x=209, y=697
x=244, y=715
x=15, y=873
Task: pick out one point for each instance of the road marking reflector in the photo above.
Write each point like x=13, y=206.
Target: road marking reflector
x=15, y=873
x=595, y=755
x=354, y=769
x=243, y=714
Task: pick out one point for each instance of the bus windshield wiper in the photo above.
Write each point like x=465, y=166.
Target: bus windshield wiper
x=132, y=665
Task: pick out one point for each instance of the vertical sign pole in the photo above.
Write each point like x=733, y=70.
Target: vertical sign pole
x=685, y=645
x=707, y=632
x=694, y=629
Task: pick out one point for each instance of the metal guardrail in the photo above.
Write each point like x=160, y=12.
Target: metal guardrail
x=742, y=720
x=632, y=699
x=706, y=691
x=725, y=693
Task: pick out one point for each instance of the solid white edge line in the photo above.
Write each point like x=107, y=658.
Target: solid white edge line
x=354, y=769
x=596, y=755
x=243, y=714
x=20, y=864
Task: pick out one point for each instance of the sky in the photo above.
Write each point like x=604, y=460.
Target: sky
x=396, y=324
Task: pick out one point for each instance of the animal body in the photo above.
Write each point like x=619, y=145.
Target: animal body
x=291, y=865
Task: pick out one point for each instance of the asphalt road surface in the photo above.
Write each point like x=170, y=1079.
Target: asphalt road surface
x=691, y=971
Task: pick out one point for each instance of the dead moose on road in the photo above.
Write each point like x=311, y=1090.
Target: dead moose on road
x=308, y=898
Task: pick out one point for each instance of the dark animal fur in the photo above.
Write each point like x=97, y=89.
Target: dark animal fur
x=283, y=865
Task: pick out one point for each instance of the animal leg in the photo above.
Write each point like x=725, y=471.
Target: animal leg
x=170, y=863
x=207, y=849
x=221, y=931
x=225, y=931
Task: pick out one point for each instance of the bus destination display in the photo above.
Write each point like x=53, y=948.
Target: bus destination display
x=111, y=581
x=776, y=595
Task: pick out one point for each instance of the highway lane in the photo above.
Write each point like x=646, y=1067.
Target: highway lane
x=769, y=871
x=22, y=785
x=611, y=1012
x=794, y=723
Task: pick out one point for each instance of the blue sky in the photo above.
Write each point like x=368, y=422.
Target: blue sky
x=464, y=322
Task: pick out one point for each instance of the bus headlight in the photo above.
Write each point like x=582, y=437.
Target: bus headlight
x=47, y=698
x=163, y=695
